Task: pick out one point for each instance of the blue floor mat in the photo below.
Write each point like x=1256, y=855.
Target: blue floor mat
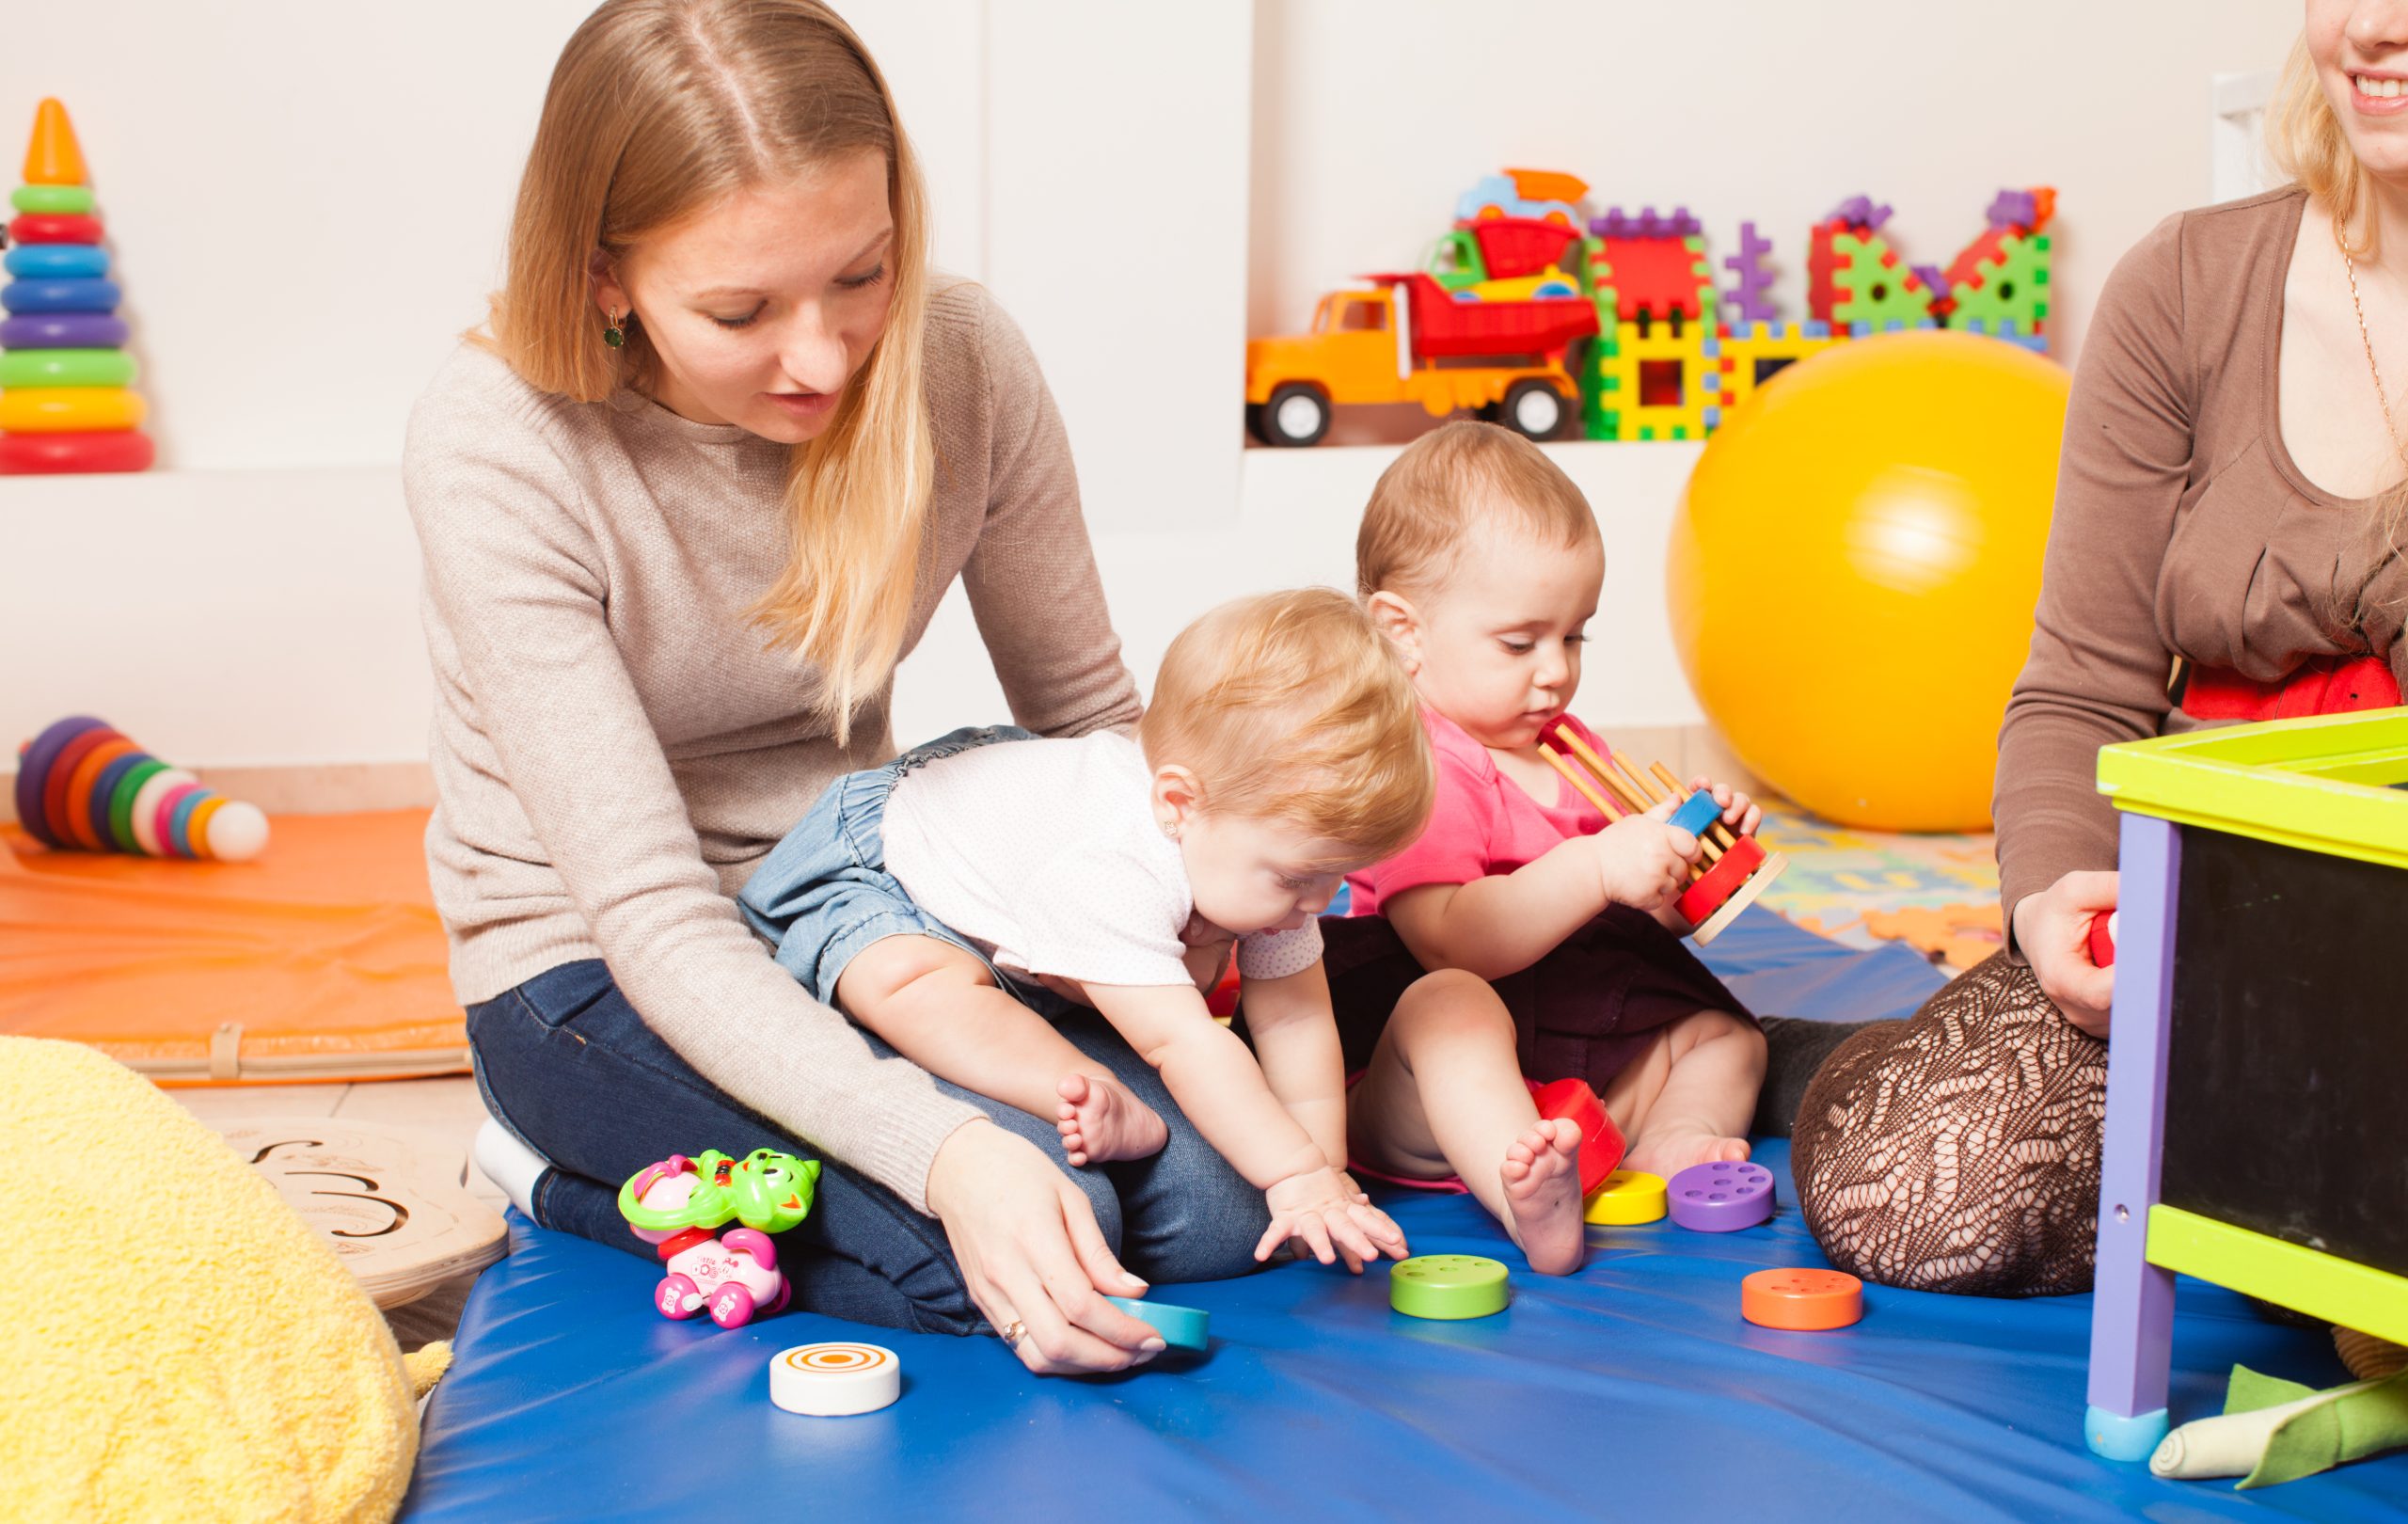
x=1632, y=1390
x=1780, y=969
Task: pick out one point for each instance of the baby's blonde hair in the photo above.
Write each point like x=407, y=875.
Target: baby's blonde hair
x=1292, y=707
x=1426, y=502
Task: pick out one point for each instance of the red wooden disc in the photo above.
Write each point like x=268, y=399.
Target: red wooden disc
x=38, y=454
x=54, y=228
x=1704, y=897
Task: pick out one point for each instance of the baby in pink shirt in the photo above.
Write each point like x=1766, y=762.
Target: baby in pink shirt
x=1483, y=563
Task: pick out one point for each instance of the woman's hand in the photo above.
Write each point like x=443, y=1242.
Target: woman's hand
x=1031, y=1253
x=2052, y=929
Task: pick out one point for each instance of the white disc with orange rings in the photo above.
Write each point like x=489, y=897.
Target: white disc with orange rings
x=834, y=1379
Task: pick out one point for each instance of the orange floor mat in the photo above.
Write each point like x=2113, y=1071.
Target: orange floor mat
x=321, y=961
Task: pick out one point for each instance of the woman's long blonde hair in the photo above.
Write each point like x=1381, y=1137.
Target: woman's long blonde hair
x=2306, y=141
x=658, y=108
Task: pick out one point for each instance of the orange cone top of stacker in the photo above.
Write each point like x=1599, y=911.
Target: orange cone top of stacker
x=54, y=157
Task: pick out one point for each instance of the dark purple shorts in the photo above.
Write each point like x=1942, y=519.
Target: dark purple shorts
x=1588, y=1008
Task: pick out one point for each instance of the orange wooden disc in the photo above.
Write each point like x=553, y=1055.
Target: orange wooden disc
x=196, y=825
x=1804, y=1301
x=79, y=788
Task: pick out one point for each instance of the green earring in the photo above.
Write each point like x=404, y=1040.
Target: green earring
x=614, y=336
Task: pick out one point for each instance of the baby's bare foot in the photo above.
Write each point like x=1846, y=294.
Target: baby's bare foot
x=1103, y=1120
x=1542, y=1174
x=1669, y=1149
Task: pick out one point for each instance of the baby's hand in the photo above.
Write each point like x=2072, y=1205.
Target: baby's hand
x=1642, y=862
x=1324, y=1211
x=1740, y=812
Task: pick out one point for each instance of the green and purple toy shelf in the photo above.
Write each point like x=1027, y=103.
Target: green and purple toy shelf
x=2257, y=1130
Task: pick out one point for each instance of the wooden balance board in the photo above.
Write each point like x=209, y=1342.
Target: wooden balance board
x=388, y=1198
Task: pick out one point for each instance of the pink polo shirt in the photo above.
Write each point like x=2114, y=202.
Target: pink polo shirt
x=1484, y=822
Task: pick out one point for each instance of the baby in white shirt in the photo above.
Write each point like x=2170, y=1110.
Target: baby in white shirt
x=940, y=900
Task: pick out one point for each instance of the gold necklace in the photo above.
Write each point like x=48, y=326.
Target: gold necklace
x=2350, y=267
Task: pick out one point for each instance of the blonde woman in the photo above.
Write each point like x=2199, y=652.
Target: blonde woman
x=2225, y=547
x=683, y=505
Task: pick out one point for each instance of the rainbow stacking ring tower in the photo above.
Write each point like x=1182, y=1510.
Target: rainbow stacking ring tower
x=67, y=402
x=83, y=785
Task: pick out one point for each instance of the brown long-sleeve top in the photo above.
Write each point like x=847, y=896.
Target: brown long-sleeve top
x=613, y=749
x=2182, y=529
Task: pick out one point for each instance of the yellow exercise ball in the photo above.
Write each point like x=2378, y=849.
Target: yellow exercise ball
x=1854, y=568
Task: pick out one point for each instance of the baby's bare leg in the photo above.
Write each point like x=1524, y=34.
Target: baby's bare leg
x=1444, y=1095
x=1688, y=1099
x=939, y=1007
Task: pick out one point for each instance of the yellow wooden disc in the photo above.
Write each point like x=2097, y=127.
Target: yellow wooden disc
x=69, y=409
x=1627, y=1197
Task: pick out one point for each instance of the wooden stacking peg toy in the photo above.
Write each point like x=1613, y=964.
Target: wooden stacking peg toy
x=1736, y=868
x=67, y=397
x=84, y=785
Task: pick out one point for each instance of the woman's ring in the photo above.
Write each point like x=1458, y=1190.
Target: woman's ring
x=1014, y=1333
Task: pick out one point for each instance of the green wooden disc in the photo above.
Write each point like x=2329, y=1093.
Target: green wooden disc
x=68, y=200
x=65, y=368
x=1448, y=1286
x=121, y=802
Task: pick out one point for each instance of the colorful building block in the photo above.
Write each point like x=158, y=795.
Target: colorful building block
x=2001, y=277
x=1743, y=356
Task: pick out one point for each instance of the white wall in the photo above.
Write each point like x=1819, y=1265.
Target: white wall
x=308, y=204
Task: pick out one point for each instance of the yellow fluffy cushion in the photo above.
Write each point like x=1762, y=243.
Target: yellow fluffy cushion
x=175, y=1342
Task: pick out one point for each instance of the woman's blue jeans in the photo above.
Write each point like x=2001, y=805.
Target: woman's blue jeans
x=566, y=1063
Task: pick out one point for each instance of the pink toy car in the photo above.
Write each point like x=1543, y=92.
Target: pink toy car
x=677, y=1203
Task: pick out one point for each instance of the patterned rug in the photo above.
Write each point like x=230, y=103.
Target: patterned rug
x=1938, y=894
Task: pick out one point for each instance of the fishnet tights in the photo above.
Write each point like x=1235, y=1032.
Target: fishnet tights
x=1958, y=1151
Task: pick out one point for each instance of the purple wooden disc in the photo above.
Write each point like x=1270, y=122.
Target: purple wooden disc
x=63, y=330
x=33, y=775
x=1720, y=1197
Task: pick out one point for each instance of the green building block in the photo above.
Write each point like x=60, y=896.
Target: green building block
x=1708, y=299
x=1868, y=291
x=2014, y=288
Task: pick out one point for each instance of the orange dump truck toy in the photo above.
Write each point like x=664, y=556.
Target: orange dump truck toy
x=1405, y=338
